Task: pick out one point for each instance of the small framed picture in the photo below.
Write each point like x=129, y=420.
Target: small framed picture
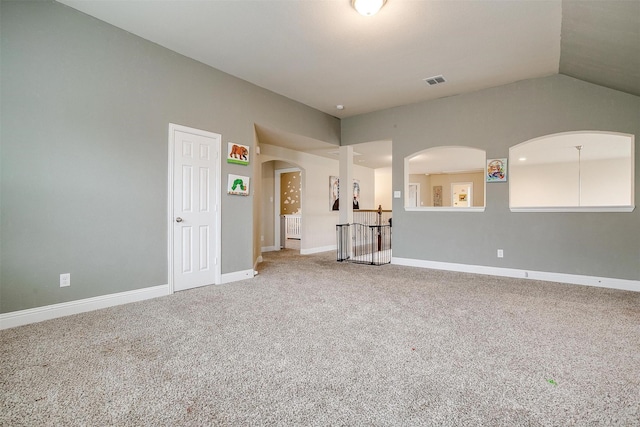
x=238, y=185
x=238, y=154
x=334, y=193
x=496, y=170
x=437, y=195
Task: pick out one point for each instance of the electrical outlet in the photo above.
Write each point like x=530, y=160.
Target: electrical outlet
x=500, y=253
x=65, y=280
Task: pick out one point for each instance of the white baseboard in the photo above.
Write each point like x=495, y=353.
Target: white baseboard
x=317, y=250
x=39, y=314
x=575, y=279
x=236, y=276
x=302, y=251
x=48, y=312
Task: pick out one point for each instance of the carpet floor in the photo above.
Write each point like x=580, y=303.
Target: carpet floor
x=313, y=342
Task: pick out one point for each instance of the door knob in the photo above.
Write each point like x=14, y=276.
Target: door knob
x=178, y=219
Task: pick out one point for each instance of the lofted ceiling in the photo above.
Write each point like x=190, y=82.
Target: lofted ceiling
x=322, y=53
x=601, y=43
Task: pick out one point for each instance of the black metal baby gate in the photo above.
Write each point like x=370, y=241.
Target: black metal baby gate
x=364, y=244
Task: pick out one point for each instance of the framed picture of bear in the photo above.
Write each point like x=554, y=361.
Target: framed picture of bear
x=238, y=154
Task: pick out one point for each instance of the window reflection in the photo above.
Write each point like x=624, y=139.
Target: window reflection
x=445, y=177
x=572, y=170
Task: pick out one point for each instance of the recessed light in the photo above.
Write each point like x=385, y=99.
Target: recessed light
x=340, y=107
x=522, y=159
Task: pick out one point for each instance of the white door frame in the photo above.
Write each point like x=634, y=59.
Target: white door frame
x=418, y=200
x=217, y=200
x=276, y=205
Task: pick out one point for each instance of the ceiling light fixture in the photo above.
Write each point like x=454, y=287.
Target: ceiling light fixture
x=368, y=7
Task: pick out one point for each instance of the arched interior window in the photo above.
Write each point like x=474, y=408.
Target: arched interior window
x=576, y=171
x=445, y=178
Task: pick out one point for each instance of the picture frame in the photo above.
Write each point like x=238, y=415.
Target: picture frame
x=356, y=194
x=238, y=185
x=496, y=170
x=238, y=154
x=437, y=195
x=334, y=193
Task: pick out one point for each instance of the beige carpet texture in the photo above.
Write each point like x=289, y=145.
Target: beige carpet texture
x=313, y=342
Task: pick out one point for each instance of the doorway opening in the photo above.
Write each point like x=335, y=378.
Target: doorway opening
x=461, y=194
x=288, y=208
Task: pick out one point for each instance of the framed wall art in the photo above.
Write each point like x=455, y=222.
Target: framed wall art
x=334, y=193
x=238, y=185
x=238, y=154
x=496, y=170
x=356, y=194
x=437, y=195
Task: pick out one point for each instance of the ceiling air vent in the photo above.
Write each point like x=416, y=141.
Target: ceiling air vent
x=432, y=81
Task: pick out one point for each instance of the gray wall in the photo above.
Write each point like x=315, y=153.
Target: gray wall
x=85, y=115
x=596, y=244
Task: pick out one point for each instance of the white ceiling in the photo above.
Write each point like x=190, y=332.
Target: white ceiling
x=447, y=160
x=323, y=53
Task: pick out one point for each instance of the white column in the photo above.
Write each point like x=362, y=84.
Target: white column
x=346, y=185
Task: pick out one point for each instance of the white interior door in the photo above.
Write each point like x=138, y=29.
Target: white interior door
x=196, y=200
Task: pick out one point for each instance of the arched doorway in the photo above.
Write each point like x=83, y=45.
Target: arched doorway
x=288, y=208
x=281, y=202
